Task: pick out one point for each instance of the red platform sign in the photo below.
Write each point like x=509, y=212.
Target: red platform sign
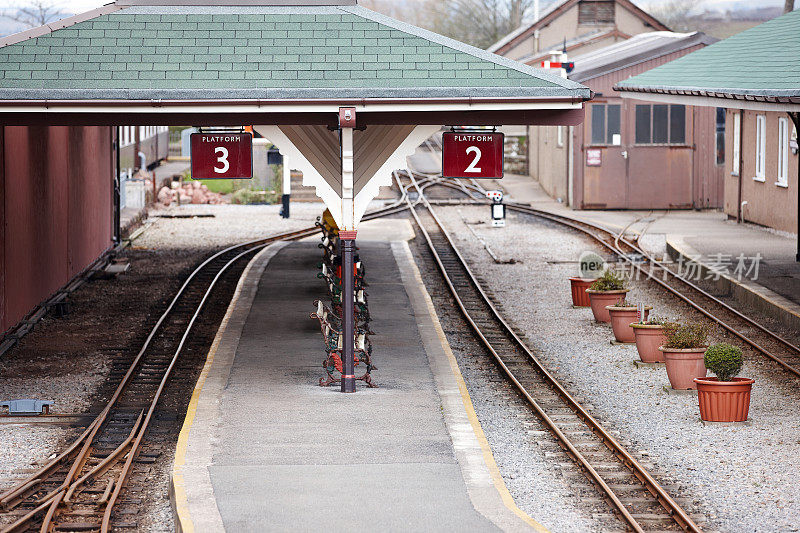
x=222, y=155
x=472, y=155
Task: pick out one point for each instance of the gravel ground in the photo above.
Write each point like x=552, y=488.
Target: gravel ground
x=742, y=476
x=231, y=224
x=529, y=465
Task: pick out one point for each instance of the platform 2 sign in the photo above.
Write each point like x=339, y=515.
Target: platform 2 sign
x=472, y=155
x=222, y=156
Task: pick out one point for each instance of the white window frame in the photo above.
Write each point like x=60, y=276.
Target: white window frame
x=783, y=152
x=737, y=143
x=560, y=138
x=761, y=150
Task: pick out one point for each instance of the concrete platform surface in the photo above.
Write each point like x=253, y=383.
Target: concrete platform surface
x=265, y=448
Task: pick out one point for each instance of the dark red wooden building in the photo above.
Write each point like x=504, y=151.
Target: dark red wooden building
x=56, y=210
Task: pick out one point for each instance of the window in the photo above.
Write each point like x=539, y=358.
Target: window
x=560, y=138
x=761, y=140
x=596, y=12
x=783, y=152
x=720, y=135
x=605, y=123
x=660, y=124
x=737, y=143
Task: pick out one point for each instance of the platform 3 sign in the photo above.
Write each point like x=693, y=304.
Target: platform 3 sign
x=222, y=156
x=472, y=155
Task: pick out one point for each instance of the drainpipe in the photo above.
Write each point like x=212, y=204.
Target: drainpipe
x=570, y=166
x=116, y=194
x=795, y=116
x=142, y=161
x=739, y=215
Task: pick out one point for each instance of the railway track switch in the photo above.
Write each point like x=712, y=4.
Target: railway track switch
x=498, y=209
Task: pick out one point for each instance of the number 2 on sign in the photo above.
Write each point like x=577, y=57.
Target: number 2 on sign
x=222, y=159
x=477, y=152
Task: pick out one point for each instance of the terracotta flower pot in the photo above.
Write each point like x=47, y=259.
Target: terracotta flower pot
x=683, y=365
x=648, y=338
x=621, y=318
x=724, y=401
x=598, y=300
x=579, y=286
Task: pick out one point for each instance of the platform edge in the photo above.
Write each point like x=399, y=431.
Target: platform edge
x=242, y=298
x=412, y=279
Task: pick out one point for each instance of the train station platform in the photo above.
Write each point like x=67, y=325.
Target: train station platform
x=265, y=448
x=753, y=264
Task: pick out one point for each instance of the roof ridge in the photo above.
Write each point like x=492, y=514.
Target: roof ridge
x=460, y=47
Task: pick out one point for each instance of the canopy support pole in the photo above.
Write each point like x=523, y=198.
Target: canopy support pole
x=347, y=237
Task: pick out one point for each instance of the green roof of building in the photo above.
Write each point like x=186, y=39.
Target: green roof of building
x=257, y=51
x=760, y=63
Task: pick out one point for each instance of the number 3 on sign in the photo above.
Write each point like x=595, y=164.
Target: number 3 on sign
x=477, y=152
x=222, y=159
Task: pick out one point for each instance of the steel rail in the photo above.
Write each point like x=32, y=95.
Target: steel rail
x=582, y=225
x=52, y=500
x=649, y=483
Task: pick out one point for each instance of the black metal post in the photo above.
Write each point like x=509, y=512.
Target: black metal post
x=285, y=205
x=348, y=240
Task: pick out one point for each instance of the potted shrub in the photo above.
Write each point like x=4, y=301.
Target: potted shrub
x=622, y=314
x=683, y=353
x=649, y=335
x=579, y=286
x=724, y=398
x=608, y=289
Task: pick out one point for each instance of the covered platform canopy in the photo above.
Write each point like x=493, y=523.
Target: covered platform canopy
x=299, y=71
x=285, y=66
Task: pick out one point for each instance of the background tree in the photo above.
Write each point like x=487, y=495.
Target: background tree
x=676, y=14
x=36, y=13
x=476, y=22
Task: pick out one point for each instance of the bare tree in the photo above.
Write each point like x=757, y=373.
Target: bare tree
x=676, y=14
x=788, y=6
x=477, y=22
x=480, y=22
x=36, y=13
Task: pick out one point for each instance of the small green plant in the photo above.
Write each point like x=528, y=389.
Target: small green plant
x=624, y=303
x=724, y=360
x=654, y=320
x=609, y=281
x=683, y=336
x=246, y=196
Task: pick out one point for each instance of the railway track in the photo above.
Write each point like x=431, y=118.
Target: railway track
x=756, y=335
x=763, y=340
x=633, y=494
x=79, y=489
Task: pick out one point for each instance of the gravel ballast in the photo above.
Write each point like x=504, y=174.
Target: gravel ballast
x=68, y=359
x=743, y=477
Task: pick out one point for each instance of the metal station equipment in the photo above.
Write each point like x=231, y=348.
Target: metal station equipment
x=498, y=208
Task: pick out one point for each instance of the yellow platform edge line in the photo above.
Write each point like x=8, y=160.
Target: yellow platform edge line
x=181, y=501
x=488, y=457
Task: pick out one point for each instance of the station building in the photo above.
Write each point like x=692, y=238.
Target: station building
x=762, y=98
x=580, y=26
x=633, y=155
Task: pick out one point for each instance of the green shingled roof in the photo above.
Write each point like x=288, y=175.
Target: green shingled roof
x=762, y=62
x=259, y=52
